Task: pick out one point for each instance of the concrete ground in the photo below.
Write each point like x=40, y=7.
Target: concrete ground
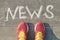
x=8, y=28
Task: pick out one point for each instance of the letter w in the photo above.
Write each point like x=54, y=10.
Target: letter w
x=34, y=12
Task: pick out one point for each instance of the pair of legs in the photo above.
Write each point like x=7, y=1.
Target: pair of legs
x=23, y=28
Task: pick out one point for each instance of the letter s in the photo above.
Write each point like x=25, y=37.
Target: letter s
x=47, y=9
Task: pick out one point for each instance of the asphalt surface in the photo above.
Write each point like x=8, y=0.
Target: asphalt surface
x=8, y=28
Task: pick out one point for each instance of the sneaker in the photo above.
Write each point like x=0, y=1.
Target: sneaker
x=39, y=31
x=22, y=31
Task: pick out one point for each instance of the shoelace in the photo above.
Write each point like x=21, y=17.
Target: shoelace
x=22, y=36
x=39, y=36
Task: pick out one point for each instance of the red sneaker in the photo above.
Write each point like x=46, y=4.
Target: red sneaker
x=22, y=31
x=39, y=31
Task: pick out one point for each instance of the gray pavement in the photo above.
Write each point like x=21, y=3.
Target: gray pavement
x=8, y=28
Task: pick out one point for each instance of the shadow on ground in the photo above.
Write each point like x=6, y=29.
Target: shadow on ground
x=31, y=35
x=49, y=33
